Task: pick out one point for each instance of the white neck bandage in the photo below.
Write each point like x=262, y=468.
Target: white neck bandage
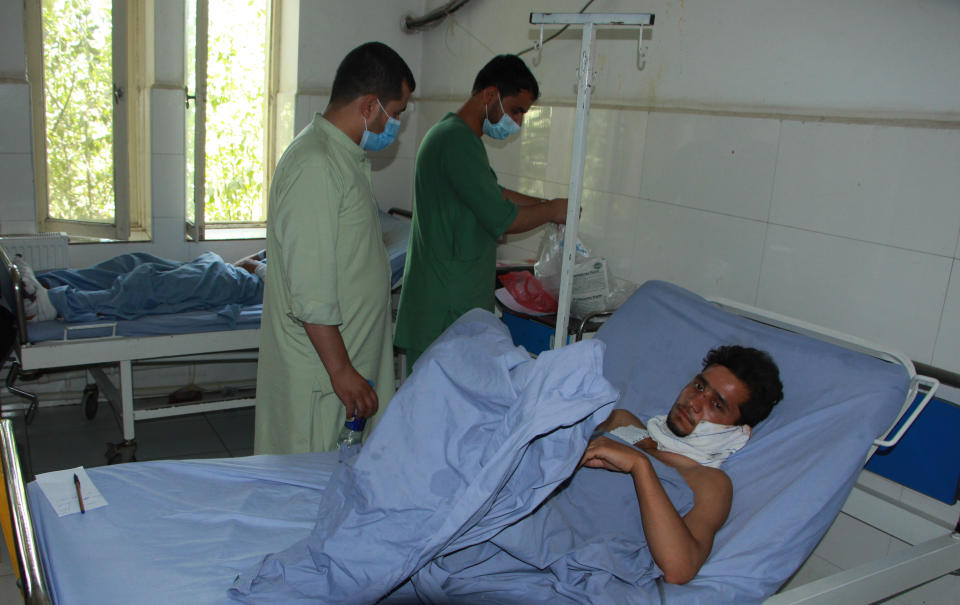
x=709, y=444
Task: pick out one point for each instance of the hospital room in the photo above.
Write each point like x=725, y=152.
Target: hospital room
x=774, y=174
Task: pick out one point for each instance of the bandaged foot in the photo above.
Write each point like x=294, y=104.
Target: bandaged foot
x=36, y=300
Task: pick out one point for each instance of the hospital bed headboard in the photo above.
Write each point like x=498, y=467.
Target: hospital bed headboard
x=836, y=399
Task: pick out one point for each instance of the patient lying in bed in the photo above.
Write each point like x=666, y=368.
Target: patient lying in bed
x=483, y=505
x=129, y=286
x=738, y=386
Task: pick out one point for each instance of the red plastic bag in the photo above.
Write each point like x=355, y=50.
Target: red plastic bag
x=528, y=291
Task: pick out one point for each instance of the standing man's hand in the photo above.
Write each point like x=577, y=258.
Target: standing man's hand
x=559, y=207
x=355, y=392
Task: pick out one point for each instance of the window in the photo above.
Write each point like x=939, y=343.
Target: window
x=86, y=63
x=227, y=64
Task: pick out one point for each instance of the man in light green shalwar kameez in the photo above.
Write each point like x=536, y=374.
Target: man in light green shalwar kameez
x=325, y=329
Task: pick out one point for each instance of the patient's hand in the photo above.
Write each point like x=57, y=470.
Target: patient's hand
x=606, y=453
x=248, y=264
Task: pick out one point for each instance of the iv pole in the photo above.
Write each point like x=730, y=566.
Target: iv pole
x=589, y=21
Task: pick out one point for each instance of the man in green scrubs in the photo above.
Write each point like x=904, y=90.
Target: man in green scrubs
x=459, y=210
x=325, y=329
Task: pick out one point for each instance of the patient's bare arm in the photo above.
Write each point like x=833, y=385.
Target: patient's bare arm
x=250, y=263
x=679, y=545
x=618, y=418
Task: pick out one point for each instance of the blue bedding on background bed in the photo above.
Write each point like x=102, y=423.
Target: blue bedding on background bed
x=228, y=317
x=212, y=317
x=133, y=285
x=396, y=232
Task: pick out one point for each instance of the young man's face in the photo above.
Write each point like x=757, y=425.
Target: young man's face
x=714, y=395
x=515, y=106
x=394, y=109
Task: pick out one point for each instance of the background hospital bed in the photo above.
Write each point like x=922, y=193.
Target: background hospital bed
x=790, y=482
x=180, y=338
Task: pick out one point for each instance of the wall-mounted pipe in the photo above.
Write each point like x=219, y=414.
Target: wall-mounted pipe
x=411, y=23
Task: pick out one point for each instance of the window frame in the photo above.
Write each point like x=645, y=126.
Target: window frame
x=197, y=227
x=132, y=42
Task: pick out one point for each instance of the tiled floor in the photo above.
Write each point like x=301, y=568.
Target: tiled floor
x=61, y=437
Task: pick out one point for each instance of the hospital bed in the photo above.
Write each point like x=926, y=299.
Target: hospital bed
x=182, y=531
x=228, y=334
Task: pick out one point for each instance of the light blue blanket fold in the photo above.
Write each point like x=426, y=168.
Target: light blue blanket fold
x=476, y=439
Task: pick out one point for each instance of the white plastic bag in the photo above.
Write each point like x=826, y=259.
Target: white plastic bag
x=594, y=287
x=619, y=293
x=549, y=263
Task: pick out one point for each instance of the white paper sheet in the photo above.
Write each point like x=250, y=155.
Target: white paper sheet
x=60, y=490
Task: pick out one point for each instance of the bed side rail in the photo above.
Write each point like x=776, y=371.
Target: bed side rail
x=11, y=289
x=17, y=515
x=879, y=579
x=854, y=343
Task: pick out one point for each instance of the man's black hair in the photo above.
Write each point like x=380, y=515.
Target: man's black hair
x=373, y=68
x=757, y=370
x=509, y=74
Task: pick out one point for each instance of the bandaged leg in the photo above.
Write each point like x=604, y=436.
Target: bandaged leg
x=36, y=300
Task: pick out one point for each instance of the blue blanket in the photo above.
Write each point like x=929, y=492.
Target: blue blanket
x=138, y=284
x=585, y=544
x=475, y=440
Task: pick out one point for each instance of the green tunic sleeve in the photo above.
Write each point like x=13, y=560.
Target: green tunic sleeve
x=465, y=164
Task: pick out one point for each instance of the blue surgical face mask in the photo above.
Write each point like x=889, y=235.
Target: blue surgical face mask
x=503, y=129
x=372, y=141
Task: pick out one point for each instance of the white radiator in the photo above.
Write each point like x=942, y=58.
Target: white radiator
x=42, y=251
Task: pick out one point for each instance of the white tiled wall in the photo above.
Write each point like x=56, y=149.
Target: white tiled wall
x=16, y=160
x=947, y=349
x=808, y=219
x=723, y=165
x=893, y=186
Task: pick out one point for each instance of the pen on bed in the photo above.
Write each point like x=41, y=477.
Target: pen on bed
x=76, y=483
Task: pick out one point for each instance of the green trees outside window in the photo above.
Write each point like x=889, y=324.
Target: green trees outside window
x=78, y=90
x=235, y=110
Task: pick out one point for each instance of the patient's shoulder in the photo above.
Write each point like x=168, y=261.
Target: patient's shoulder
x=706, y=479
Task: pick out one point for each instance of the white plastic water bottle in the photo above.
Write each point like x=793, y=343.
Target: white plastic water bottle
x=351, y=436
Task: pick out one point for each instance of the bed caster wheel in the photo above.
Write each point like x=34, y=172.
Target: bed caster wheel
x=125, y=451
x=90, y=401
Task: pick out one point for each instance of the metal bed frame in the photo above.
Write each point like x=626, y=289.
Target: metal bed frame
x=94, y=353
x=935, y=551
